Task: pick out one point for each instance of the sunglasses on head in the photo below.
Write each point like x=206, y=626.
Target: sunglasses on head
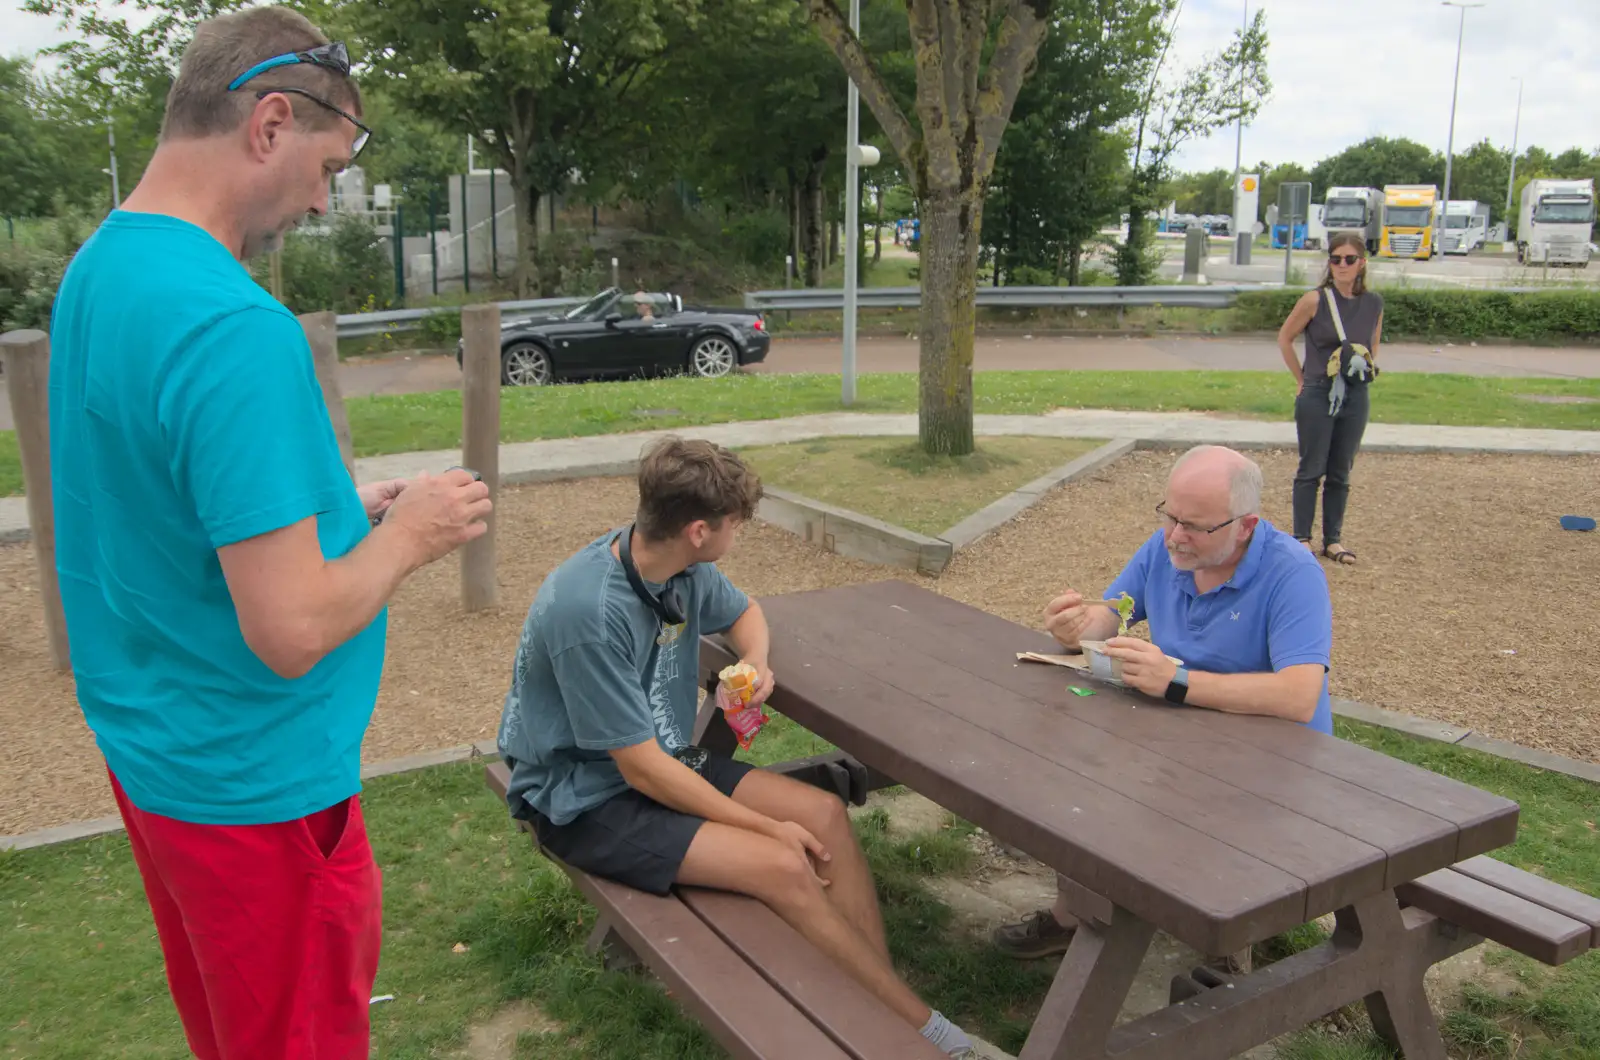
x=1344, y=259
x=331, y=56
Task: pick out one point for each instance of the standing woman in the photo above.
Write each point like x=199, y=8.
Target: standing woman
x=1342, y=322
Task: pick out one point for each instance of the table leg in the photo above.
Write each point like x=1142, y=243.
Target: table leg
x=1089, y=989
x=1378, y=954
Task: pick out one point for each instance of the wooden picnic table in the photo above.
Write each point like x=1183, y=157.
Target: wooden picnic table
x=1221, y=830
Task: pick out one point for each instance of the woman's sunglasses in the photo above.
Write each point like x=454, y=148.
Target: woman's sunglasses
x=1344, y=259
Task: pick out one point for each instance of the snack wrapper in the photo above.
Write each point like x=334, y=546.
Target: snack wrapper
x=735, y=685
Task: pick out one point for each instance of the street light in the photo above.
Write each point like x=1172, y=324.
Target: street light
x=1511, y=181
x=1238, y=147
x=856, y=156
x=1450, y=145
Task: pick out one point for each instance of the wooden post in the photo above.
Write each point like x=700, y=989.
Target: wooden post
x=322, y=331
x=26, y=357
x=480, y=441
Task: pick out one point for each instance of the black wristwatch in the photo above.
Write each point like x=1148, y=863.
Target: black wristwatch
x=1178, y=687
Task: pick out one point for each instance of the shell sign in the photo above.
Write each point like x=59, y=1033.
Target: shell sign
x=1249, y=184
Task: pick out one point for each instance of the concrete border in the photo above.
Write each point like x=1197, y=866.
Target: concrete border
x=852, y=534
x=994, y=515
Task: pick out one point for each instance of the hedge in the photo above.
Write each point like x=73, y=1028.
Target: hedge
x=1428, y=314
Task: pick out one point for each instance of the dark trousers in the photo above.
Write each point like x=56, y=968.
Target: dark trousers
x=1328, y=446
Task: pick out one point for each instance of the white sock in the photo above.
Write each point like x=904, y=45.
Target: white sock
x=946, y=1035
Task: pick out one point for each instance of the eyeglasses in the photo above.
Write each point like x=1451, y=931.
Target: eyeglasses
x=362, y=136
x=1344, y=259
x=1198, y=531
x=332, y=56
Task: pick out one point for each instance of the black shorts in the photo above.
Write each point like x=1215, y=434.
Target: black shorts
x=631, y=838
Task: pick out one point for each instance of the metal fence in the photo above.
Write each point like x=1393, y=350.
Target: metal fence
x=358, y=325
x=1198, y=297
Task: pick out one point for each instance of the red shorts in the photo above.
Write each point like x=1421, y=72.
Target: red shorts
x=270, y=932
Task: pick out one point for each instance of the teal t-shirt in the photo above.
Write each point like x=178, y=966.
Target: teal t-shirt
x=597, y=670
x=185, y=415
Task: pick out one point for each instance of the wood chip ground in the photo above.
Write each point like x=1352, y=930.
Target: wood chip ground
x=1469, y=605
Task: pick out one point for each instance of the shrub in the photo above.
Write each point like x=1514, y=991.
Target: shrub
x=31, y=269
x=1421, y=313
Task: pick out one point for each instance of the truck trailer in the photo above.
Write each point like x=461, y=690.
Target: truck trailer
x=1556, y=223
x=1355, y=209
x=1410, y=214
x=1466, y=226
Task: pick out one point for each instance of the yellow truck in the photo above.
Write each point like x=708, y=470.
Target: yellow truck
x=1410, y=221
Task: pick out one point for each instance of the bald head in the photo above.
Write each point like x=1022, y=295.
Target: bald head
x=1221, y=475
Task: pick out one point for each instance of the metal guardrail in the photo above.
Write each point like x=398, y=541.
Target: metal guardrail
x=357, y=325
x=1216, y=296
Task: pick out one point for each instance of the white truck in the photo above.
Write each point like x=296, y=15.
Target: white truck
x=1556, y=222
x=1355, y=209
x=1466, y=226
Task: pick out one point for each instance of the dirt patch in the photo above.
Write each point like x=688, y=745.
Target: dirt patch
x=496, y=1037
x=445, y=674
x=1469, y=606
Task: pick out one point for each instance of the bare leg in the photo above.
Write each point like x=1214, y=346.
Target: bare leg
x=850, y=886
x=731, y=859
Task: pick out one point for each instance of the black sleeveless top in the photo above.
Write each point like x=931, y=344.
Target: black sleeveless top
x=1360, y=315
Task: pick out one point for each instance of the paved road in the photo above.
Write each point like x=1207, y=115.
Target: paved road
x=418, y=373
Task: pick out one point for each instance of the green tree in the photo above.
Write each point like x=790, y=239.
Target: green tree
x=962, y=106
x=544, y=84
x=1061, y=165
x=1273, y=178
x=1217, y=92
x=1380, y=161
x=1480, y=174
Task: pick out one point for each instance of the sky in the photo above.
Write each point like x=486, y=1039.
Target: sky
x=1344, y=70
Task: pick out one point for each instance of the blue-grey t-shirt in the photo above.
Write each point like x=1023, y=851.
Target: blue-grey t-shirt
x=597, y=670
x=1273, y=613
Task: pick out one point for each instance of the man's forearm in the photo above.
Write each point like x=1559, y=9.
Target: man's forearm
x=668, y=781
x=751, y=637
x=1279, y=695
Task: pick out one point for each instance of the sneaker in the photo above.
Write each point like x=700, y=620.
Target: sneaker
x=1036, y=935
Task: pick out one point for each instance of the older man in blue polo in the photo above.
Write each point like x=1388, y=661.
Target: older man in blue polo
x=1242, y=603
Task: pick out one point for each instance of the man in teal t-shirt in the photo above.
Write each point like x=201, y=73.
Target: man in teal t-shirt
x=223, y=579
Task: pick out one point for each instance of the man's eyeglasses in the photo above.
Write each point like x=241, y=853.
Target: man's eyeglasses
x=1198, y=531
x=331, y=56
x=362, y=136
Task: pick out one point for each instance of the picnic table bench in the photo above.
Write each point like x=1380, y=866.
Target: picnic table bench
x=1221, y=830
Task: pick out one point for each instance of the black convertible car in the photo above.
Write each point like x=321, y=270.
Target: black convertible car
x=618, y=334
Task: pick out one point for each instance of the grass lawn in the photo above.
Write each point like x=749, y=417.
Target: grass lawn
x=893, y=480
x=402, y=423
x=475, y=920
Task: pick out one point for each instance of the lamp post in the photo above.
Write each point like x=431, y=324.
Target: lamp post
x=1238, y=144
x=1511, y=181
x=856, y=156
x=1450, y=144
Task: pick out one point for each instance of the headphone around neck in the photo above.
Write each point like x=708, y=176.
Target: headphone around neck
x=669, y=605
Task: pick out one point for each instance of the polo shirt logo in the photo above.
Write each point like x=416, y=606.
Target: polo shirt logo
x=1234, y=616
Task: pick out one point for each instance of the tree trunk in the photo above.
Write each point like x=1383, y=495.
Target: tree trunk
x=1074, y=266
x=877, y=229
x=526, y=199
x=833, y=241
x=795, y=224
x=815, y=245
x=951, y=221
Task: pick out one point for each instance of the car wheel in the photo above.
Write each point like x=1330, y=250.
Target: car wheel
x=525, y=364
x=713, y=357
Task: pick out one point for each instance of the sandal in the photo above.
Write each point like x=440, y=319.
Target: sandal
x=1339, y=554
x=1306, y=541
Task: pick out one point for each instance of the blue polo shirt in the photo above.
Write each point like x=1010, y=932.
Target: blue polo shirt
x=185, y=415
x=1273, y=613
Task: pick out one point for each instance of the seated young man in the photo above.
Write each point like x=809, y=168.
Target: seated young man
x=1242, y=603
x=597, y=725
